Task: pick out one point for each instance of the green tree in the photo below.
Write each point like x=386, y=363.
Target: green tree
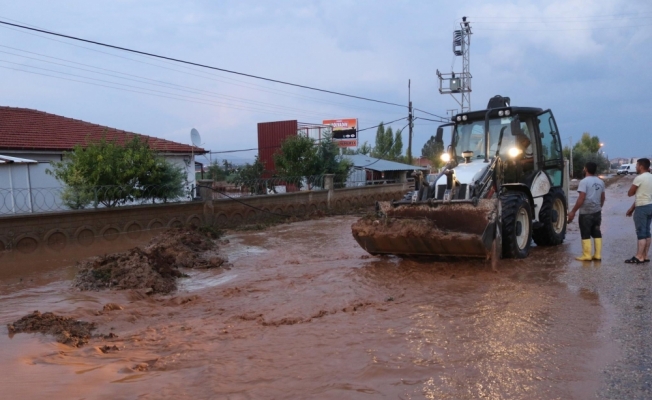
x=383, y=142
x=216, y=172
x=396, y=151
x=111, y=174
x=249, y=176
x=585, y=150
x=296, y=157
x=329, y=162
x=433, y=151
x=365, y=149
x=166, y=182
x=299, y=157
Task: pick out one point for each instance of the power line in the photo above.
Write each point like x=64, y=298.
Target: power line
x=597, y=18
x=434, y=115
x=565, y=29
x=199, y=65
x=433, y=120
x=160, y=84
x=390, y=147
x=210, y=75
x=168, y=96
x=278, y=146
x=382, y=123
x=207, y=75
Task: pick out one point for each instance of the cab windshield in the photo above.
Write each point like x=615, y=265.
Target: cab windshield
x=469, y=136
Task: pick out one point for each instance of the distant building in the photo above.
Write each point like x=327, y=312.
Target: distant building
x=272, y=134
x=423, y=162
x=369, y=170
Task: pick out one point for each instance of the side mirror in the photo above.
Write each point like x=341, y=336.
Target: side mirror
x=515, y=127
x=439, y=137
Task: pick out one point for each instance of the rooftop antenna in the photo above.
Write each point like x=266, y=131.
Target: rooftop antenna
x=459, y=83
x=195, y=139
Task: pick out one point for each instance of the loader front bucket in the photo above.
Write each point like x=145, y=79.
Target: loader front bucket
x=459, y=229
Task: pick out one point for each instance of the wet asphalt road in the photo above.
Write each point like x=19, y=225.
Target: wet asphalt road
x=624, y=290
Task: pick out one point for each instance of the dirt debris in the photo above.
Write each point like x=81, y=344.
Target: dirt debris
x=67, y=330
x=155, y=267
x=112, y=307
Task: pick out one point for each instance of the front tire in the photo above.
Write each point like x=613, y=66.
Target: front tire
x=553, y=216
x=517, y=225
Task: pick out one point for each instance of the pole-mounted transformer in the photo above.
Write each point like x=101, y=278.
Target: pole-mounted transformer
x=459, y=83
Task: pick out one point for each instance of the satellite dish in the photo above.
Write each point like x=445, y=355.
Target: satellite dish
x=195, y=138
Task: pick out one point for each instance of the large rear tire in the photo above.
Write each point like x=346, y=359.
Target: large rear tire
x=553, y=216
x=517, y=225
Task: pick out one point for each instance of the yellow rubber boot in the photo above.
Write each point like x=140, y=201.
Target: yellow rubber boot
x=586, y=251
x=598, y=249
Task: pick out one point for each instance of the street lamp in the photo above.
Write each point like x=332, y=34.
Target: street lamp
x=605, y=156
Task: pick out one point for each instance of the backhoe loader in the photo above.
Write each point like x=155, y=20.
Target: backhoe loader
x=504, y=184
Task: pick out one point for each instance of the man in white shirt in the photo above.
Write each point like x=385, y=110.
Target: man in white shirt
x=642, y=210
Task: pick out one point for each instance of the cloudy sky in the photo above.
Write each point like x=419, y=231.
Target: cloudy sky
x=587, y=60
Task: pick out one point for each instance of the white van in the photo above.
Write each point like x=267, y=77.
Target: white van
x=626, y=169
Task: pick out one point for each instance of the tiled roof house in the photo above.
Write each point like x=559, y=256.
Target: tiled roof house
x=24, y=130
x=43, y=138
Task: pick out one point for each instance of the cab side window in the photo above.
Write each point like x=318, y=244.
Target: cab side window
x=551, y=153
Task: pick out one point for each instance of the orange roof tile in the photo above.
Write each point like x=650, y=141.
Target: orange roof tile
x=26, y=129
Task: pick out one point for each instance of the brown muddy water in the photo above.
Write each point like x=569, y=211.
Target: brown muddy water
x=305, y=313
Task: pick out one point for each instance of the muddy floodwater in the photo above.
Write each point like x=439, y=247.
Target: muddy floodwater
x=303, y=312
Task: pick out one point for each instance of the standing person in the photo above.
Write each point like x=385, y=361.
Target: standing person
x=642, y=210
x=589, y=203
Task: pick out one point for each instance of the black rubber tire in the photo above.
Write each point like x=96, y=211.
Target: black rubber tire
x=514, y=232
x=553, y=231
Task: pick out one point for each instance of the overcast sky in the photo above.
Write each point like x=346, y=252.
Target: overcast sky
x=588, y=61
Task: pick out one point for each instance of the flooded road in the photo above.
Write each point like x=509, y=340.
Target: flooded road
x=303, y=312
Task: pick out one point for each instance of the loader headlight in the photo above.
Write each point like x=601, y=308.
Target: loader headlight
x=445, y=157
x=507, y=112
x=501, y=113
x=459, y=118
x=514, y=152
x=463, y=117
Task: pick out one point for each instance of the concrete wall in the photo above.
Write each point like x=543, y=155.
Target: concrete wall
x=58, y=230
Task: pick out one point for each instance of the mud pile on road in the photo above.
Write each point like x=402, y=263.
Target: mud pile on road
x=154, y=267
x=66, y=330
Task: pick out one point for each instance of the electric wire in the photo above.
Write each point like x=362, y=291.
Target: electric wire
x=434, y=115
x=278, y=146
x=245, y=84
x=389, y=148
x=178, y=87
x=210, y=76
x=201, y=65
x=167, y=95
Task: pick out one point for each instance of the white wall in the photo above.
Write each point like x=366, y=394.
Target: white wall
x=15, y=196
x=15, y=179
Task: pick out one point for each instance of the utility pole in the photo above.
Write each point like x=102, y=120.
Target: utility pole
x=410, y=124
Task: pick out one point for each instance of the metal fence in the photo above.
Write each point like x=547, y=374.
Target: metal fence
x=267, y=186
x=38, y=200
